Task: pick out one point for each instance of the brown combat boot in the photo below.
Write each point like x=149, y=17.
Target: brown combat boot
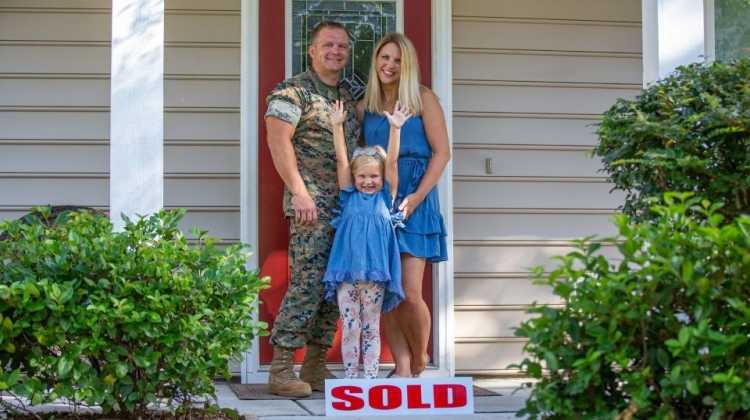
x=314, y=370
x=281, y=378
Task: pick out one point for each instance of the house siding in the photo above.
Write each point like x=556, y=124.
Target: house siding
x=54, y=108
x=530, y=80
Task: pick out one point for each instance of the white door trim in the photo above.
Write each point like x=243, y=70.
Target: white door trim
x=249, y=97
x=442, y=85
x=442, y=78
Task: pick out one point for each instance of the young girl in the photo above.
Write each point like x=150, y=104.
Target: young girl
x=364, y=270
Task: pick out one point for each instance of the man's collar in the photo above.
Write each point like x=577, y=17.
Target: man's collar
x=319, y=85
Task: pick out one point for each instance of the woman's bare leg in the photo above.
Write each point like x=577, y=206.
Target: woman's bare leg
x=413, y=313
x=397, y=342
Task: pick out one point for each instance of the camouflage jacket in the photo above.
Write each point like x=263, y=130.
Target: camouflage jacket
x=305, y=102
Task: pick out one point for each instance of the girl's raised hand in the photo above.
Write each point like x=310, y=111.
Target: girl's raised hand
x=399, y=116
x=338, y=113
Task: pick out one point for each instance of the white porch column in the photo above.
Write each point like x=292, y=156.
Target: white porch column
x=673, y=35
x=442, y=84
x=136, y=154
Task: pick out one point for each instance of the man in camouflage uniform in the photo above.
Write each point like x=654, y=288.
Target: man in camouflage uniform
x=300, y=138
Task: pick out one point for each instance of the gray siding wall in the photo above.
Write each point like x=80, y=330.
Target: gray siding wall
x=530, y=78
x=54, y=108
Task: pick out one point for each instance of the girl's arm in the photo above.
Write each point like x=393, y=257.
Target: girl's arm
x=396, y=120
x=343, y=171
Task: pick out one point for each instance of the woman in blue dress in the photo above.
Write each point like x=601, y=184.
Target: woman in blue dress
x=424, y=154
x=364, y=271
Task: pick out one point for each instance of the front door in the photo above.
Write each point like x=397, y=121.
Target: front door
x=283, y=32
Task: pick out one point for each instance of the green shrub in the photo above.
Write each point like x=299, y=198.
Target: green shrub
x=661, y=334
x=689, y=132
x=119, y=319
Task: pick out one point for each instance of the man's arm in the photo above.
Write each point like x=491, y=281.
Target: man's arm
x=279, y=137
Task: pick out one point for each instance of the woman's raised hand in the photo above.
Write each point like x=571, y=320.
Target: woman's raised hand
x=400, y=115
x=338, y=114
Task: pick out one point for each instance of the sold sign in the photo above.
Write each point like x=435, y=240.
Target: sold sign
x=403, y=396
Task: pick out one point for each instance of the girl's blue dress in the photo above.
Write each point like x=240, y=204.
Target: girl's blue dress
x=365, y=248
x=424, y=232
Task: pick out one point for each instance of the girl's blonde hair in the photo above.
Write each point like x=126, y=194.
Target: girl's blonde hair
x=364, y=156
x=408, y=85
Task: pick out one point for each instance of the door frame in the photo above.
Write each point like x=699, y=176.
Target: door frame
x=441, y=39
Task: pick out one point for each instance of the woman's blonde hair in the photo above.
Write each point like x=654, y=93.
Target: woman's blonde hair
x=408, y=85
x=364, y=156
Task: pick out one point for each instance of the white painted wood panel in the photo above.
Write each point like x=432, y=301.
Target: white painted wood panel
x=536, y=99
x=613, y=10
x=54, y=125
x=202, y=93
x=54, y=92
x=489, y=357
x=28, y=192
x=95, y=125
x=515, y=65
x=231, y=5
x=510, y=162
x=203, y=61
x=523, y=129
x=545, y=35
x=199, y=126
x=543, y=195
x=88, y=59
x=94, y=158
x=54, y=59
x=93, y=191
x=501, y=291
x=202, y=192
x=512, y=258
x=530, y=226
x=203, y=28
x=219, y=224
x=488, y=323
x=55, y=27
x=95, y=92
x=95, y=26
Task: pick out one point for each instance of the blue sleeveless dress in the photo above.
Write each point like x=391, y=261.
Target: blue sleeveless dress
x=424, y=233
x=365, y=248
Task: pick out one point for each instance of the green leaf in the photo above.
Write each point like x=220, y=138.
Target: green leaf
x=64, y=365
x=692, y=387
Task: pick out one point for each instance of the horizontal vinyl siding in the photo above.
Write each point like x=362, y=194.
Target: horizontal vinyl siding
x=54, y=107
x=35, y=114
x=531, y=79
x=202, y=97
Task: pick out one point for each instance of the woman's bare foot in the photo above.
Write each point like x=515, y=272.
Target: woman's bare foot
x=418, y=364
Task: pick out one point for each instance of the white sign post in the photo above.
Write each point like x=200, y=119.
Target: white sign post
x=402, y=396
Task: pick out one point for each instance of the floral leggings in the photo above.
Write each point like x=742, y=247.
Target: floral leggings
x=360, y=305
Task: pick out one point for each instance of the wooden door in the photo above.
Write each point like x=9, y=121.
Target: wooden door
x=273, y=229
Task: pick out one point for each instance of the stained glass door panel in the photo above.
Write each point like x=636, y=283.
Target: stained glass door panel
x=367, y=22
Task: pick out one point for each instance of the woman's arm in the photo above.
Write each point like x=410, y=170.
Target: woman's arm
x=396, y=120
x=437, y=136
x=343, y=171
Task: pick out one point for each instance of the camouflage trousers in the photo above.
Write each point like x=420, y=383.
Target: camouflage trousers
x=305, y=316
